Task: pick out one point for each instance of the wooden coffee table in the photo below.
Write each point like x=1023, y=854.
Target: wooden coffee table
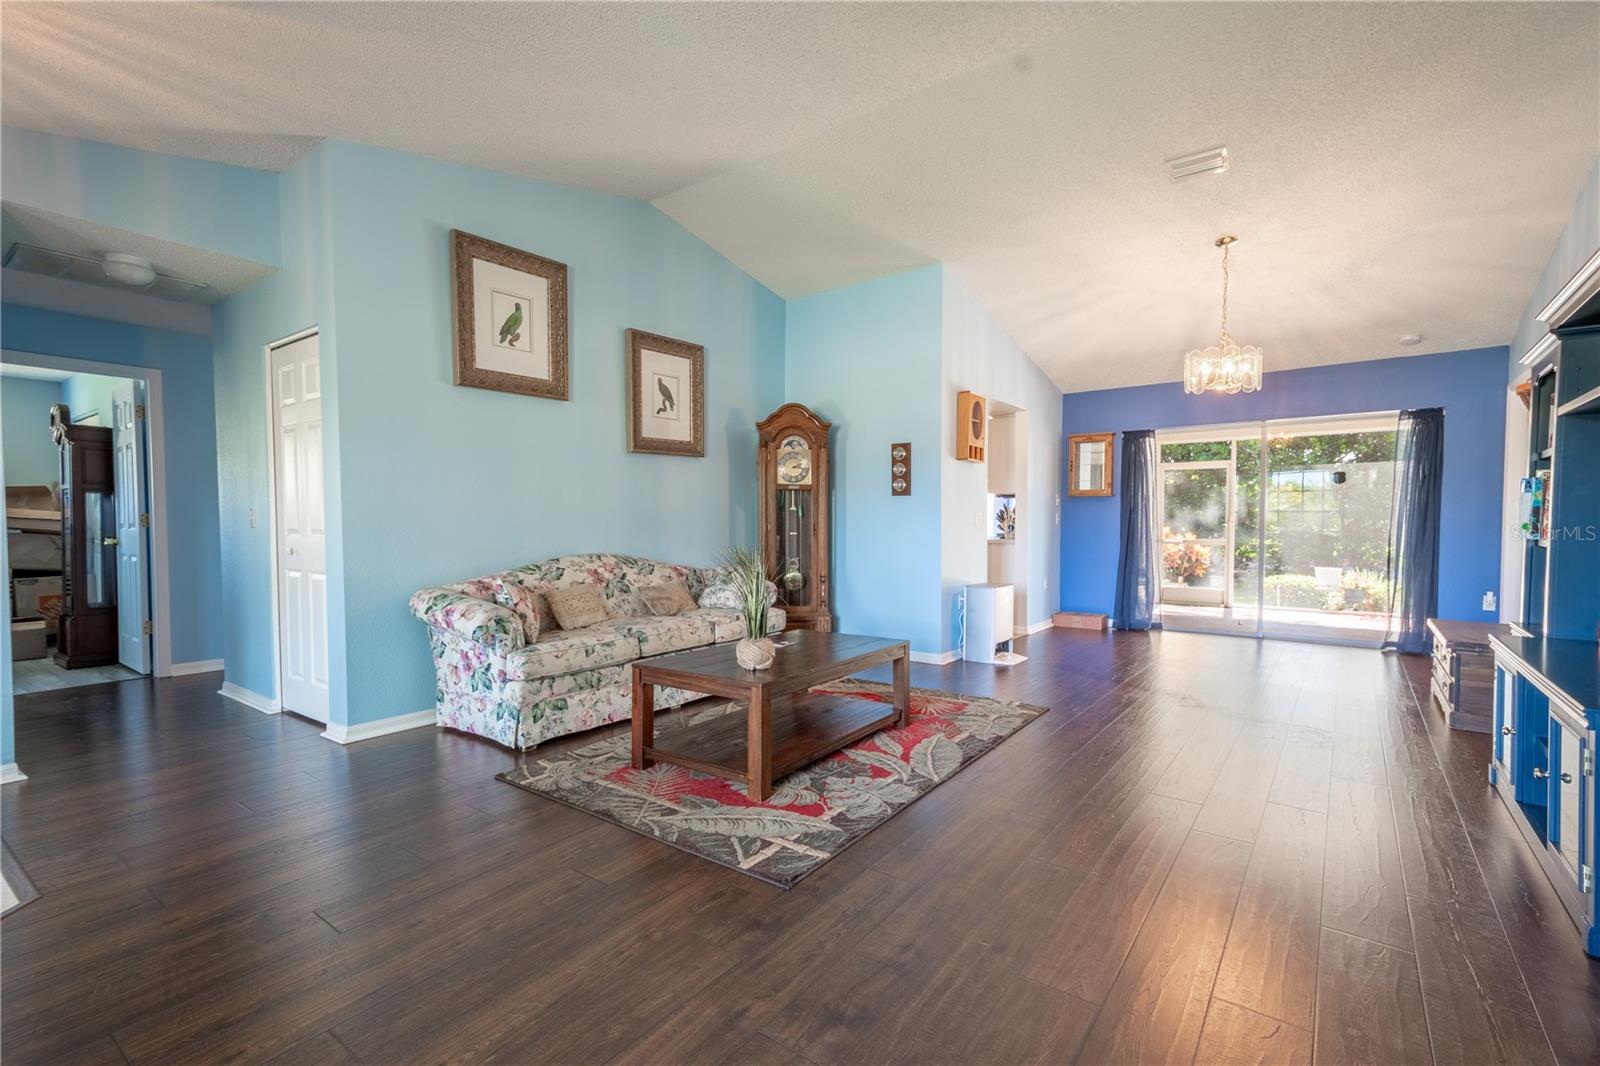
x=787, y=726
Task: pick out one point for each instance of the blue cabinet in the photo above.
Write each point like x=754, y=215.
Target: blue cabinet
x=1546, y=715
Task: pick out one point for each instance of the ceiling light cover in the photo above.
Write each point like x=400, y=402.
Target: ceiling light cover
x=1225, y=367
x=128, y=269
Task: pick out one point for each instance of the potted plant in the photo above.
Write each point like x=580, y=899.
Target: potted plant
x=744, y=572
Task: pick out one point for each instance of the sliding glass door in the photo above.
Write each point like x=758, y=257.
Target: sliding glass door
x=1278, y=528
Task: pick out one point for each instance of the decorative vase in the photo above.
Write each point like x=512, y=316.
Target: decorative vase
x=755, y=654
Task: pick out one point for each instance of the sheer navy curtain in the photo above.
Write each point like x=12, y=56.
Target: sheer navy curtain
x=1414, y=530
x=1136, y=566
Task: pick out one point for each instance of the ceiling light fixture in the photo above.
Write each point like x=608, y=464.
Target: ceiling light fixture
x=128, y=269
x=1410, y=339
x=1210, y=161
x=1225, y=367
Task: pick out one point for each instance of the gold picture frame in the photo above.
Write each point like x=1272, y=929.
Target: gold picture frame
x=510, y=318
x=1085, y=475
x=665, y=376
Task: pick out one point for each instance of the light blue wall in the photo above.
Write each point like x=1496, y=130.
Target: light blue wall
x=440, y=482
x=89, y=393
x=8, y=743
x=297, y=298
x=31, y=456
x=185, y=364
x=1469, y=385
x=228, y=209
x=1578, y=241
x=867, y=358
x=979, y=356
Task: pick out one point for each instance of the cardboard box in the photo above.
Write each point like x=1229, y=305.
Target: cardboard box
x=34, y=551
x=36, y=597
x=27, y=640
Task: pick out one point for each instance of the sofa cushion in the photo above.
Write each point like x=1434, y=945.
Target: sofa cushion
x=528, y=604
x=577, y=606
x=667, y=599
x=657, y=636
x=725, y=624
x=571, y=650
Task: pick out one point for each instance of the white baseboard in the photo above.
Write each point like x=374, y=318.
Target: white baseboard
x=935, y=658
x=9, y=773
x=203, y=666
x=1032, y=628
x=250, y=699
x=350, y=734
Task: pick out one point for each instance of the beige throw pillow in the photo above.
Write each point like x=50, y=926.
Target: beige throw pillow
x=529, y=605
x=577, y=606
x=667, y=599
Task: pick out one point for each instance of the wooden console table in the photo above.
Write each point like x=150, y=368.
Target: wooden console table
x=787, y=726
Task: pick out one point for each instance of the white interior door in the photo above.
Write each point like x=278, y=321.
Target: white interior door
x=133, y=599
x=302, y=562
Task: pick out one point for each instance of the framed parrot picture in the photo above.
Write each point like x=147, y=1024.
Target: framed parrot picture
x=666, y=395
x=510, y=311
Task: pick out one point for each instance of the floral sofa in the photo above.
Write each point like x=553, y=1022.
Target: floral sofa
x=496, y=683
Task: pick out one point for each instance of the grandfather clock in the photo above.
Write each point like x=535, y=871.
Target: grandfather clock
x=86, y=632
x=795, y=529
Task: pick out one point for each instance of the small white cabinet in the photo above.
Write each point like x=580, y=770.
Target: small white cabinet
x=989, y=622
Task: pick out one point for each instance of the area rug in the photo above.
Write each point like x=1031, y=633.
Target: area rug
x=813, y=814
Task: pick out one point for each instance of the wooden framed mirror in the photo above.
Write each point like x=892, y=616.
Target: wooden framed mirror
x=1089, y=464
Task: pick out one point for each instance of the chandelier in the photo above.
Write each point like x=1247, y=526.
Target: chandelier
x=1224, y=367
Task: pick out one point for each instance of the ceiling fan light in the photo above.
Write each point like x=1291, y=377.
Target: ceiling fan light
x=128, y=269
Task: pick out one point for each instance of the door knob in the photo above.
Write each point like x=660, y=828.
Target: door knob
x=1540, y=775
x=108, y=541
x=1506, y=731
x=1566, y=778
x=291, y=551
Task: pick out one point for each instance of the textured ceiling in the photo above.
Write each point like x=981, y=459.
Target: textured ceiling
x=634, y=99
x=1397, y=168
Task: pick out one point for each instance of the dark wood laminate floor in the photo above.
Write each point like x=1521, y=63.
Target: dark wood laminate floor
x=1211, y=850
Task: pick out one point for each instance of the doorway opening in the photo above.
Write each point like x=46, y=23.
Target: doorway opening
x=1007, y=496
x=1279, y=528
x=89, y=565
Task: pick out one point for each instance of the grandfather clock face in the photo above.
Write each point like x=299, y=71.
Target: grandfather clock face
x=794, y=475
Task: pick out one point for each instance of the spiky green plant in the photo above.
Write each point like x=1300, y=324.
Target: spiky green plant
x=748, y=576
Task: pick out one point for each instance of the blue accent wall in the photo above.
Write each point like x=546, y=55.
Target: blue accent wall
x=31, y=456
x=1469, y=385
x=184, y=360
x=867, y=358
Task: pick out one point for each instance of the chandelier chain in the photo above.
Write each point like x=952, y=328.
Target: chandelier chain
x=1226, y=340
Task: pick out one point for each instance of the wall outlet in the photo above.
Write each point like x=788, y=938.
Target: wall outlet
x=1488, y=601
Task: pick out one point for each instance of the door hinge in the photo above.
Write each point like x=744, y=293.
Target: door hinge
x=149, y=628
x=144, y=519
x=1586, y=878
x=138, y=410
x=1588, y=762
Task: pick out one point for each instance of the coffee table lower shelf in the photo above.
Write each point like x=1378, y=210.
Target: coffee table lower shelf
x=805, y=727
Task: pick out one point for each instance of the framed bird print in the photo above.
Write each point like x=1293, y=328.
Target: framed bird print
x=510, y=318
x=666, y=395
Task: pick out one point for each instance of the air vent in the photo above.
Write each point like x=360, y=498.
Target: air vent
x=92, y=270
x=1210, y=161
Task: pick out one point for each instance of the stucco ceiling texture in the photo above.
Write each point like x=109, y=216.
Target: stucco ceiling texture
x=1396, y=168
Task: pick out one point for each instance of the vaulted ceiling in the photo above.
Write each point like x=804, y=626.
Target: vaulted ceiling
x=1396, y=168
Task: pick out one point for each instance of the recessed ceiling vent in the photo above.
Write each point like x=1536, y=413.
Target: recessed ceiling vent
x=1210, y=161
x=114, y=270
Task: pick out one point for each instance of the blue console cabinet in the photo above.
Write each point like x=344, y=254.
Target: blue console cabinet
x=1546, y=713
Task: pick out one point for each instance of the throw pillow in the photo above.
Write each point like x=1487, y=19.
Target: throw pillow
x=667, y=599
x=723, y=595
x=529, y=605
x=577, y=606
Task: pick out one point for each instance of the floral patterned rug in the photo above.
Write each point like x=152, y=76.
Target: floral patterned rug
x=813, y=815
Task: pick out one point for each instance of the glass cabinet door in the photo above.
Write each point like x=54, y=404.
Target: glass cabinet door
x=794, y=578
x=1566, y=789
x=100, y=549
